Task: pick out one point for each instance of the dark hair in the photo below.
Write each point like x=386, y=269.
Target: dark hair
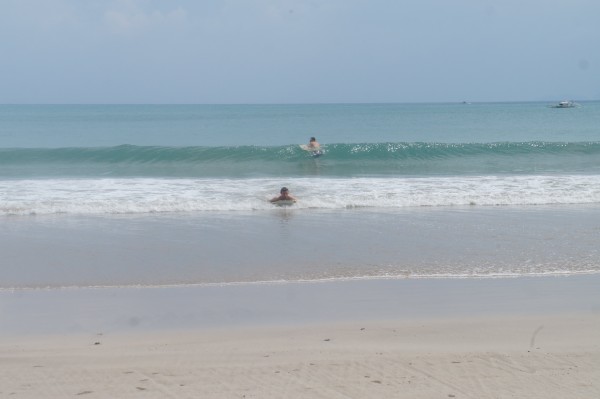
x=283, y=189
x=313, y=139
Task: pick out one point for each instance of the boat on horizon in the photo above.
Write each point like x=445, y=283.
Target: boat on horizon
x=565, y=104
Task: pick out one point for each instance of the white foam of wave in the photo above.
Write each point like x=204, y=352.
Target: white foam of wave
x=449, y=276
x=144, y=195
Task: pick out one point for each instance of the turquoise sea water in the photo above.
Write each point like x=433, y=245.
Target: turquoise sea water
x=56, y=126
x=218, y=165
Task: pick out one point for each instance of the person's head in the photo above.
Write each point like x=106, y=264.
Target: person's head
x=312, y=139
x=284, y=190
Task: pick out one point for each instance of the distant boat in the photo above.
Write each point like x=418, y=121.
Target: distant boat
x=565, y=104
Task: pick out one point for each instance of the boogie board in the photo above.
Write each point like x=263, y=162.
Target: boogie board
x=314, y=152
x=284, y=202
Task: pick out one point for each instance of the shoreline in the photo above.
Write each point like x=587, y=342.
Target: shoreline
x=521, y=337
x=146, y=309
x=325, y=280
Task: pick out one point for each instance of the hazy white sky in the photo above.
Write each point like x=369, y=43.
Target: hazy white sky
x=298, y=51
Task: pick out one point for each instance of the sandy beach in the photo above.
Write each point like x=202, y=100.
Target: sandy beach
x=443, y=238
x=544, y=357
x=488, y=338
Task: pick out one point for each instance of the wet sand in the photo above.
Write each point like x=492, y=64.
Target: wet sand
x=162, y=249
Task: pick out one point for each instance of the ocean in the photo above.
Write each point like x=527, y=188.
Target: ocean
x=152, y=195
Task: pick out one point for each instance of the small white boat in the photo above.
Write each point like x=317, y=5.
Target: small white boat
x=565, y=104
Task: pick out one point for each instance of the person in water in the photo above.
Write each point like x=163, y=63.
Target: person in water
x=314, y=147
x=284, y=195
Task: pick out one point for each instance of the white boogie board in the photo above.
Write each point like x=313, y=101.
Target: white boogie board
x=314, y=152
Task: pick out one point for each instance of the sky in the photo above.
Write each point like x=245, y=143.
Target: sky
x=298, y=51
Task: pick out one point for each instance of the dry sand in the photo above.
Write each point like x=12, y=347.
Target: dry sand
x=521, y=349
x=541, y=357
